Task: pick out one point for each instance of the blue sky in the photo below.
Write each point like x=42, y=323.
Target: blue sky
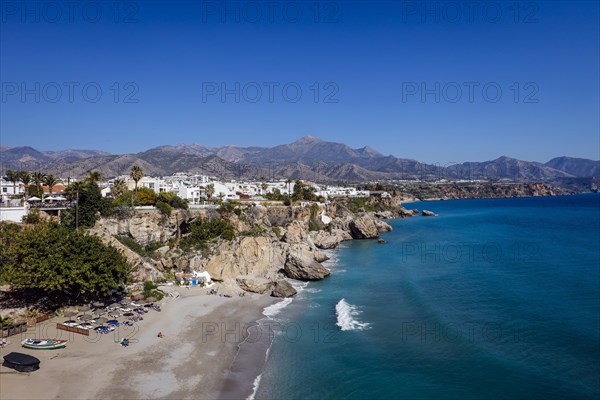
x=413, y=79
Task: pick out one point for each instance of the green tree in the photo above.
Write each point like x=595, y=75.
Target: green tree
x=302, y=192
x=209, y=190
x=203, y=230
x=173, y=200
x=62, y=264
x=25, y=178
x=137, y=173
x=38, y=178
x=145, y=197
x=89, y=203
x=94, y=177
x=118, y=188
x=51, y=181
x=164, y=208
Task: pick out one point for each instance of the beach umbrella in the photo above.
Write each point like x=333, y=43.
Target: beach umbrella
x=84, y=308
x=101, y=320
x=50, y=198
x=126, y=302
x=70, y=314
x=115, y=305
x=95, y=316
x=113, y=314
x=60, y=198
x=34, y=198
x=85, y=317
x=98, y=304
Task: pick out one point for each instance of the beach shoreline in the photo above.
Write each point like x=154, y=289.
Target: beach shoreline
x=202, y=334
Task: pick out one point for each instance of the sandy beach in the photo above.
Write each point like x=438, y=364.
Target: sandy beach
x=192, y=360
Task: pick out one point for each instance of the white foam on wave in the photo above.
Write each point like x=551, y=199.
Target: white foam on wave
x=276, y=308
x=346, y=317
x=255, y=387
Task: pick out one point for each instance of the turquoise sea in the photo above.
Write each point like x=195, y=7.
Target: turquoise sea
x=492, y=299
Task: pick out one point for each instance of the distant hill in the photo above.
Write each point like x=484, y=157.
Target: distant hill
x=307, y=158
x=579, y=167
x=28, y=156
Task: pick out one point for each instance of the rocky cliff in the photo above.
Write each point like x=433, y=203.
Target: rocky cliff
x=289, y=245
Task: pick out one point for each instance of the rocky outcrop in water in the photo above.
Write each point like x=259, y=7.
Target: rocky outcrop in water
x=367, y=226
x=304, y=269
x=283, y=288
x=427, y=213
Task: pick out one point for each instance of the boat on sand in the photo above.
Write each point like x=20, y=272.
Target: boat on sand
x=43, y=344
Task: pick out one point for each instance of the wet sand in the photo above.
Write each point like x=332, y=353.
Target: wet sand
x=202, y=334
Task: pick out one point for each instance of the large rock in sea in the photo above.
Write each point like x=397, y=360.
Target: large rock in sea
x=363, y=227
x=254, y=284
x=283, y=288
x=304, y=269
x=429, y=213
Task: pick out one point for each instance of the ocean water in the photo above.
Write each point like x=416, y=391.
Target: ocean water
x=492, y=299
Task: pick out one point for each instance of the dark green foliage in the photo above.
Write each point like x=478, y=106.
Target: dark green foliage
x=145, y=197
x=36, y=191
x=32, y=217
x=164, y=208
x=314, y=209
x=90, y=203
x=150, y=290
x=276, y=230
x=203, y=230
x=144, y=251
x=61, y=263
x=255, y=231
x=302, y=192
x=227, y=207
x=172, y=200
x=276, y=196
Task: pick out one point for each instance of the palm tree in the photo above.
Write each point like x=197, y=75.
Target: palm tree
x=51, y=181
x=13, y=176
x=118, y=188
x=38, y=178
x=210, y=190
x=264, y=187
x=94, y=177
x=137, y=173
x=25, y=179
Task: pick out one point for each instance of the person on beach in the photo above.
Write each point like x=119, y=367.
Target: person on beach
x=160, y=335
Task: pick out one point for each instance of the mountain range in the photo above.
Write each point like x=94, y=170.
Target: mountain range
x=307, y=158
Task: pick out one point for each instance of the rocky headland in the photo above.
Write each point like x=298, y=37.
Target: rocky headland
x=270, y=243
